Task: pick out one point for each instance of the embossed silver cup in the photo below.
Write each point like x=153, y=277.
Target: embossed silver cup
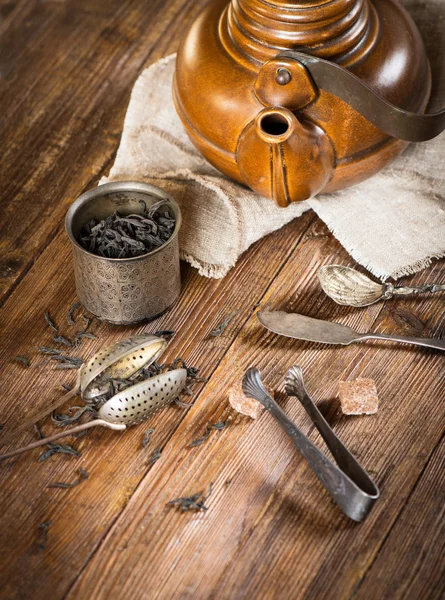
x=124, y=290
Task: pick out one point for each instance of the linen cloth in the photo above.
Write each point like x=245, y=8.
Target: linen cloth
x=393, y=224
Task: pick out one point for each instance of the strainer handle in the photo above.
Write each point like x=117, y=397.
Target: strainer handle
x=39, y=416
x=57, y=436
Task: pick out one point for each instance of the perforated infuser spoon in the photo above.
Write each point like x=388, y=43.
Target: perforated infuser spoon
x=120, y=360
x=128, y=407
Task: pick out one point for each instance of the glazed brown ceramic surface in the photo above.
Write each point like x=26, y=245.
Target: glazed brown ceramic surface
x=311, y=141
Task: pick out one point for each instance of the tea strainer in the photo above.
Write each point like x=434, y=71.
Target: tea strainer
x=128, y=407
x=119, y=361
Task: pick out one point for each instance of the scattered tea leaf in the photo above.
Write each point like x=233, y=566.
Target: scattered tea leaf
x=219, y=330
x=87, y=334
x=44, y=537
x=195, y=502
x=183, y=404
x=50, y=322
x=66, y=387
x=58, y=449
x=155, y=456
x=70, y=313
x=62, y=358
x=22, y=359
x=209, y=428
x=146, y=438
x=59, y=484
x=60, y=339
x=46, y=350
x=218, y=426
x=168, y=333
x=62, y=420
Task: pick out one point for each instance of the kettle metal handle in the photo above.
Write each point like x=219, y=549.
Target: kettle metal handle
x=332, y=78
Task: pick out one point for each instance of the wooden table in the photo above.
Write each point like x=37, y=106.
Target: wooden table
x=271, y=531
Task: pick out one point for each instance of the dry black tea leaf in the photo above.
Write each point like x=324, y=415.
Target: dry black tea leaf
x=80, y=334
x=167, y=333
x=23, y=360
x=58, y=449
x=155, y=456
x=209, y=428
x=69, y=316
x=44, y=537
x=219, y=330
x=62, y=420
x=195, y=502
x=50, y=322
x=65, y=486
x=46, y=350
x=127, y=236
x=60, y=339
x=183, y=404
x=146, y=438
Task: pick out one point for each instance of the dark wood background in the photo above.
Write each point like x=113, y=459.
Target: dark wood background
x=66, y=73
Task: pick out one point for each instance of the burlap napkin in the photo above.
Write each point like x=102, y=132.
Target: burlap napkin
x=392, y=224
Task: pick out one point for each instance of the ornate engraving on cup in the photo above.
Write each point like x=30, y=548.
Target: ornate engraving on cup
x=126, y=291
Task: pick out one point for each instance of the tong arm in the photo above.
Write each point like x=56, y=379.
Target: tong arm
x=345, y=460
x=353, y=501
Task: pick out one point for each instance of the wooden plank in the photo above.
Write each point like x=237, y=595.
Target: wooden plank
x=411, y=562
x=83, y=515
x=271, y=531
x=63, y=98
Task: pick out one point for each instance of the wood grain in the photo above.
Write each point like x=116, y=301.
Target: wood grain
x=267, y=511
x=418, y=536
x=79, y=525
x=271, y=531
x=63, y=116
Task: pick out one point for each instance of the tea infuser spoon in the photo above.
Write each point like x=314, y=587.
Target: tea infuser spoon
x=348, y=483
x=120, y=360
x=128, y=407
x=349, y=287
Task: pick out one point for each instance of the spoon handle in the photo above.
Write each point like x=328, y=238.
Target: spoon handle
x=57, y=436
x=353, y=501
x=10, y=435
x=425, y=342
x=432, y=288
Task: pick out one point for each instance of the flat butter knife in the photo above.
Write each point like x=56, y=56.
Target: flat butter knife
x=301, y=327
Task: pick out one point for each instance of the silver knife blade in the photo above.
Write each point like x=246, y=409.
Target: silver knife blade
x=306, y=328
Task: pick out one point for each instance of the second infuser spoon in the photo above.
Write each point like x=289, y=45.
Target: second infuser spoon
x=349, y=287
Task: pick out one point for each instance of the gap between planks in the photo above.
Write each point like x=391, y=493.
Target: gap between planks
x=394, y=517
x=143, y=57
x=198, y=394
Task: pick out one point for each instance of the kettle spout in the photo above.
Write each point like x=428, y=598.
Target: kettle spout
x=281, y=157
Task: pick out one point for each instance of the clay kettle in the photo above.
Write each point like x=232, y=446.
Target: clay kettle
x=296, y=97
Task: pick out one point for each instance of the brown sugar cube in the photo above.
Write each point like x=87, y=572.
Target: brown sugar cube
x=358, y=397
x=242, y=404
